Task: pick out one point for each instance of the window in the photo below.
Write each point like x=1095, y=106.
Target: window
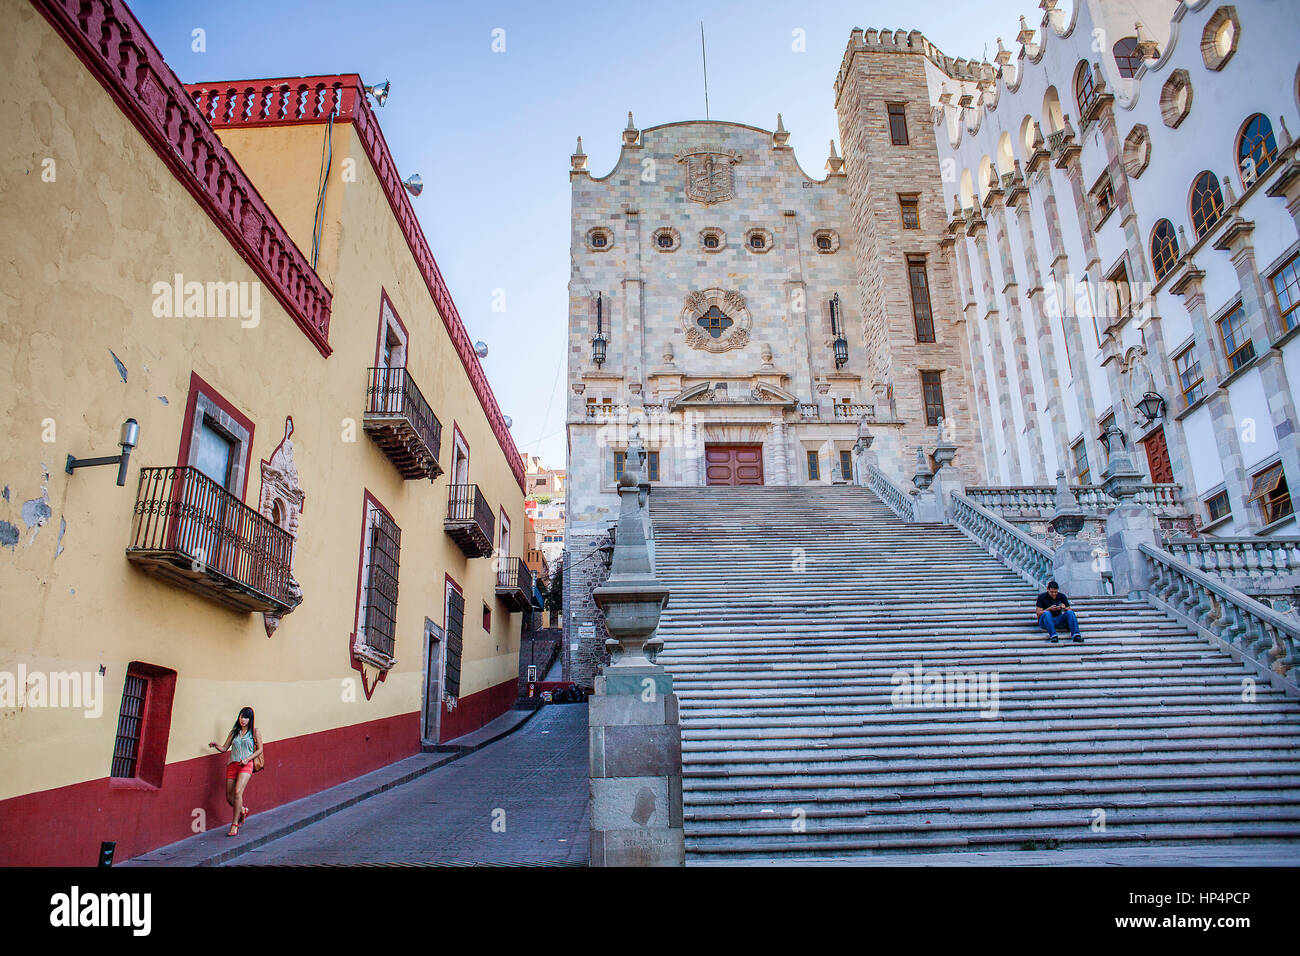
x=454, y=628
x=1127, y=57
x=1269, y=492
x=756, y=241
x=1176, y=98
x=1188, y=367
x=487, y=618
x=1137, y=151
x=827, y=240
x=824, y=243
x=620, y=463
x=1117, y=292
x=377, y=616
x=1219, y=39
x=814, y=471
x=1286, y=287
x=1082, y=474
x=1207, y=203
x=909, y=206
x=712, y=240
x=600, y=238
x=665, y=241
x=714, y=321
x=1103, y=198
x=1217, y=506
x=846, y=464
x=1164, y=248
x=130, y=725
x=652, y=465
x=920, y=284
x=1085, y=90
x=897, y=124
x=143, y=724
x=1237, y=343
x=932, y=393
x=1256, y=149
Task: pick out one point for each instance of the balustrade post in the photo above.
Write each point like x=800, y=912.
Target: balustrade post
x=1074, y=566
x=1129, y=525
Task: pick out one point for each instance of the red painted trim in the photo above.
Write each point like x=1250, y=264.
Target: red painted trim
x=383, y=326
x=156, y=728
x=264, y=103
x=197, y=386
x=117, y=51
x=367, y=500
x=64, y=826
x=477, y=709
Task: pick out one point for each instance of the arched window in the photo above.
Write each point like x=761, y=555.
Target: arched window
x=1085, y=91
x=1127, y=57
x=1207, y=203
x=1164, y=247
x=1256, y=149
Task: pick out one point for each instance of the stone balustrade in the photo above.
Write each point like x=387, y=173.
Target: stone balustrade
x=1257, y=635
x=1027, y=502
x=1011, y=546
x=895, y=498
x=1246, y=563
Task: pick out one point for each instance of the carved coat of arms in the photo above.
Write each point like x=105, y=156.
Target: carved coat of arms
x=709, y=175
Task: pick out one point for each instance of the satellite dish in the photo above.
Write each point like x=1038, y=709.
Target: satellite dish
x=481, y=349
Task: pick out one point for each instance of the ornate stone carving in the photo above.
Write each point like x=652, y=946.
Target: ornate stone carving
x=280, y=501
x=732, y=306
x=709, y=175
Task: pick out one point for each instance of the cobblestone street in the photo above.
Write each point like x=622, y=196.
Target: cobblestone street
x=537, y=776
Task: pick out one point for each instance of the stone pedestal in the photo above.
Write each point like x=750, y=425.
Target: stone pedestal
x=1074, y=566
x=1128, y=526
x=636, y=770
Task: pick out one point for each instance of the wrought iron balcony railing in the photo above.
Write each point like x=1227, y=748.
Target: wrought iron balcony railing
x=514, y=583
x=402, y=424
x=191, y=532
x=470, y=521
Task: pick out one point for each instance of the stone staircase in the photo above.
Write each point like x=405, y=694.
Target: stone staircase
x=793, y=608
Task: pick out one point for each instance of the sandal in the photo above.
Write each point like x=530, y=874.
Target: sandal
x=243, y=816
x=234, y=830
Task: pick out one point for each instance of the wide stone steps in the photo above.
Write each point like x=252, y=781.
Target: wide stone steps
x=794, y=613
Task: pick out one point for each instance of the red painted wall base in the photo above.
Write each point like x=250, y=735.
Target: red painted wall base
x=477, y=709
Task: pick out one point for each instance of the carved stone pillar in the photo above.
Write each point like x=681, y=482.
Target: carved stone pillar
x=780, y=454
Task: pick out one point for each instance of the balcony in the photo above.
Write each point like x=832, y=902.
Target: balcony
x=515, y=584
x=402, y=424
x=191, y=532
x=855, y=411
x=470, y=522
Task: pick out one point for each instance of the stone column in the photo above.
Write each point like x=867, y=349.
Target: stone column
x=1264, y=322
x=635, y=737
x=977, y=230
x=780, y=454
x=1039, y=330
x=1037, y=471
x=1214, y=367
x=974, y=343
x=692, y=450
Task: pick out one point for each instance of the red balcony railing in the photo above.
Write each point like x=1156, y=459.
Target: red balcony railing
x=194, y=533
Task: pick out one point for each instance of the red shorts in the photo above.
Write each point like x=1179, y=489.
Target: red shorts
x=234, y=769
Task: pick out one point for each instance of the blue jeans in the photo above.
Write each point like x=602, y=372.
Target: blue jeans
x=1046, y=622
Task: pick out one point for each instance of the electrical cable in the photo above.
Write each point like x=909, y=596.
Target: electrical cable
x=327, y=160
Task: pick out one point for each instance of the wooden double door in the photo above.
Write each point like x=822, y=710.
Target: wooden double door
x=1162, y=469
x=733, y=464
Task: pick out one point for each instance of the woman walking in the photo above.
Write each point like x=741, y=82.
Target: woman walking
x=245, y=745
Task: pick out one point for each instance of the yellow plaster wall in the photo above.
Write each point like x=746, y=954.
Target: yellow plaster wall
x=82, y=254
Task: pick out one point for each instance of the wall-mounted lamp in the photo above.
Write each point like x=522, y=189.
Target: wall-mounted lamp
x=598, y=341
x=414, y=184
x=379, y=92
x=130, y=438
x=1152, y=406
x=840, y=346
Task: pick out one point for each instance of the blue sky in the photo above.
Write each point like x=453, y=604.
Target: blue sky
x=491, y=132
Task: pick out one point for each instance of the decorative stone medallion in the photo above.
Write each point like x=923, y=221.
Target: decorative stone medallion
x=709, y=175
x=716, y=320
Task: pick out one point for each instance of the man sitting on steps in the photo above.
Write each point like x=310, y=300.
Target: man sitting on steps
x=1053, y=609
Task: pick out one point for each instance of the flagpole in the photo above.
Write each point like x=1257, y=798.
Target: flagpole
x=705, y=58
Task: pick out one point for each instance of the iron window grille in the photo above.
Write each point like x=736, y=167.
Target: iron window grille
x=379, y=613
x=130, y=725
